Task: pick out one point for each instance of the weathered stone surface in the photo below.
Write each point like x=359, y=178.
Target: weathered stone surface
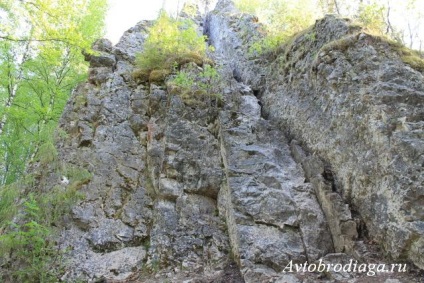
x=376, y=170
x=103, y=56
x=185, y=170
x=132, y=42
x=189, y=192
x=265, y=195
x=117, y=265
x=338, y=273
x=349, y=99
x=156, y=172
x=343, y=228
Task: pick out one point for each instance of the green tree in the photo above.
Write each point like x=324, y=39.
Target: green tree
x=282, y=19
x=373, y=17
x=40, y=64
x=171, y=41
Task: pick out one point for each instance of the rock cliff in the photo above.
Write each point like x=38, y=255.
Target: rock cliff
x=316, y=153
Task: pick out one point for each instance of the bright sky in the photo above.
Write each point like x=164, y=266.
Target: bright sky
x=124, y=14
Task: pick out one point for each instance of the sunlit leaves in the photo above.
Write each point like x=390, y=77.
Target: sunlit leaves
x=372, y=16
x=282, y=19
x=169, y=37
x=40, y=63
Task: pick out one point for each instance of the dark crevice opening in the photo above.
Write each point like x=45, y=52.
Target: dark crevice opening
x=361, y=227
x=85, y=143
x=237, y=75
x=258, y=94
x=328, y=175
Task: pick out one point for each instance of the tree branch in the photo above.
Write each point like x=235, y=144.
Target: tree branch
x=64, y=40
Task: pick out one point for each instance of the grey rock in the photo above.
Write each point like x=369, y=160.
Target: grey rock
x=131, y=42
x=288, y=279
x=117, y=265
x=103, y=56
x=355, y=108
x=303, y=160
x=99, y=75
x=392, y=281
x=341, y=266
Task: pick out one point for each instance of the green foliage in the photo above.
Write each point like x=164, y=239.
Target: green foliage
x=209, y=81
x=30, y=226
x=372, y=16
x=8, y=208
x=169, y=38
x=266, y=44
x=189, y=9
x=171, y=42
x=192, y=85
x=29, y=243
x=40, y=64
x=77, y=176
x=249, y=6
x=77, y=23
x=282, y=20
x=47, y=153
x=30, y=219
x=184, y=81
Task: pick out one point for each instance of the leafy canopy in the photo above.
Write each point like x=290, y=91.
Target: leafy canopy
x=77, y=23
x=40, y=64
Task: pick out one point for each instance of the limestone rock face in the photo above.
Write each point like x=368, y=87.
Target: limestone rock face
x=316, y=151
x=152, y=201
x=350, y=101
x=360, y=109
x=273, y=216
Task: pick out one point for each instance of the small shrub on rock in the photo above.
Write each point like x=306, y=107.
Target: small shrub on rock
x=171, y=44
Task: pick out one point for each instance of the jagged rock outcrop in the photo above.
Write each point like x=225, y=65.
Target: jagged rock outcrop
x=357, y=108
x=360, y=108
x=351, y=101
x=317, y=148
